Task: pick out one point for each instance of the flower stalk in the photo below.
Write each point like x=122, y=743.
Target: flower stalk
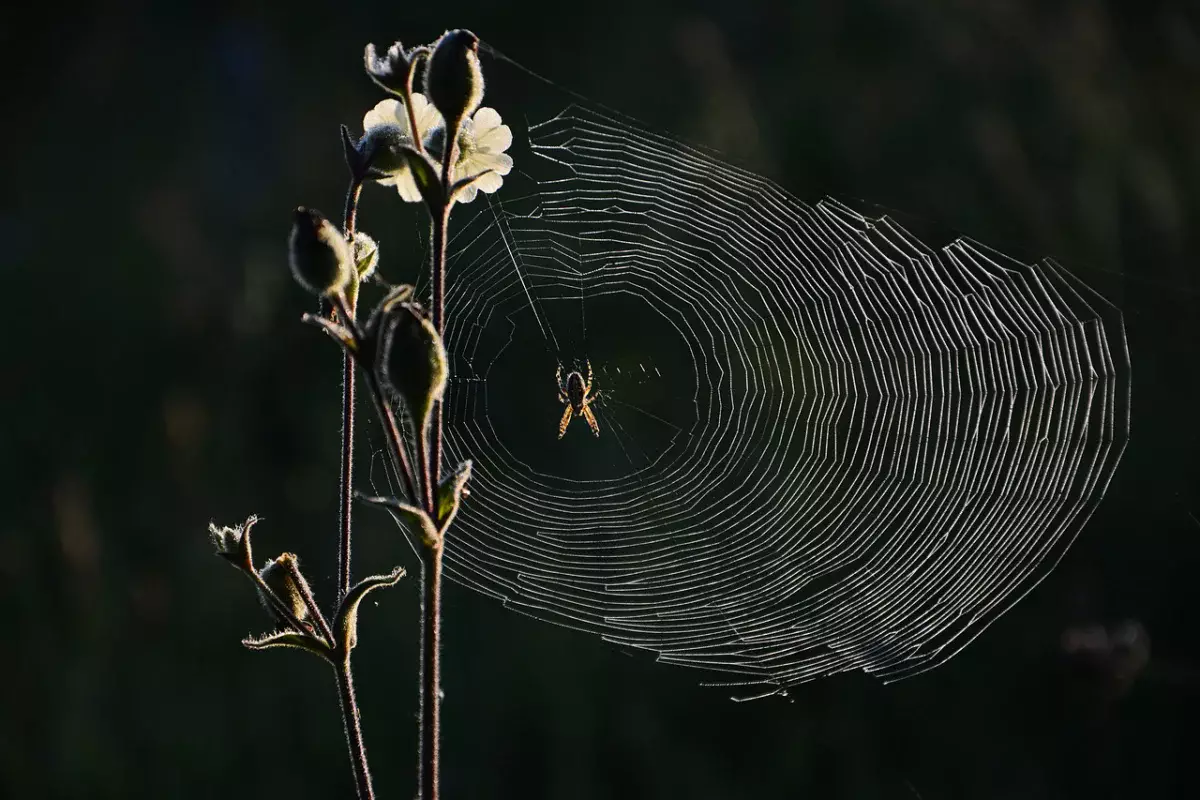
x=439, y=148
x=346, y=476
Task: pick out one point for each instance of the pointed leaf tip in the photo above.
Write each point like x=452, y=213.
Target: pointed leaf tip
x=413, y=518
x=345, y=624
x=299, y=641
x=450, y=493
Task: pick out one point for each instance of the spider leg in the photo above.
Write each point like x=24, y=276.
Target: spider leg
x=589, y=369
x=591, y=420
x=566, y=420
x=558, y=377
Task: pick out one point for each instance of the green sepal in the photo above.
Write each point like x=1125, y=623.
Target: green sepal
x=339, y=333
x=450, y=494
x=233, y=544
x=366, y=255
x=463, y=183
x=411, y=517
x=345, y=624
x=299, y=641
x=350, y=150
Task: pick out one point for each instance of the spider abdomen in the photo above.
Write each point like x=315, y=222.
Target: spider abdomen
x=576, y=391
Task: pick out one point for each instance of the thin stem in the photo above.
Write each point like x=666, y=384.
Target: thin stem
x=310, y=602
x=441, y=222
x=431, y=669
x=427, y=482
x=350, y=216
x=354, y=738
x=431, y=561
x=346, y=479
x=414, y=134
x=392, y=429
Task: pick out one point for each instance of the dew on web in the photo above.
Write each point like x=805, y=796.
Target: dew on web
x=824, y=445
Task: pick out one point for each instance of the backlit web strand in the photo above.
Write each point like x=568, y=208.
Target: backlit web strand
x=825, y=446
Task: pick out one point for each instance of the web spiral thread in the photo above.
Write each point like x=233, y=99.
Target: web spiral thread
x=866, y=449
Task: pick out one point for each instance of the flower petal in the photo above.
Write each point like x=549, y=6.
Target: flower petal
x=494, y=140
x=467, y=194
x=488, y=182
x=406, y=185
x=426, y=115
x=484, y=120
x=385, y=112
x=500, y=163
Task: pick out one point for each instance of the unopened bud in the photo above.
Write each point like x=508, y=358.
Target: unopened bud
x=412, y=360
x=278, y=575
x=454, y=79
x=318, y=253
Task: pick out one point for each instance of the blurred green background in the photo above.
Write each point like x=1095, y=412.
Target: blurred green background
x=156, y=377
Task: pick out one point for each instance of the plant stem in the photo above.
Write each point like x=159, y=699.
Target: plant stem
x=440, y=223
x=431, y=560
x=395, y=442
x=346, y=480
x=431, y=668
x=354, y=738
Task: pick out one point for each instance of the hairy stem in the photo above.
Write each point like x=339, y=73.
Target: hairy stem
x=440, y=223
x=346, y=480
x=431, y=561
x=431, y=668
x=354, y=738
x=395, y=443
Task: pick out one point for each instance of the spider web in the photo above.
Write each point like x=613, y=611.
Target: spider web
x=825, y=446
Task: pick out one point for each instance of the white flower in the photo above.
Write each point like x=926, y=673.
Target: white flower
x=391, y=114
x=481, y=145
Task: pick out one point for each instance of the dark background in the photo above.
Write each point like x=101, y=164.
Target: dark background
x=156, y=377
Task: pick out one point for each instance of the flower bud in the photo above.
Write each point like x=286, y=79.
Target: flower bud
x=279, y=576
x=391, y=69
x=412, y=360
x=381, y=151
x=454, y=79
x=318, y=253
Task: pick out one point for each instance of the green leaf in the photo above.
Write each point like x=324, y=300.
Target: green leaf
x=299, y=641
x=345, y=624
x=450, y=494
x=425, y=173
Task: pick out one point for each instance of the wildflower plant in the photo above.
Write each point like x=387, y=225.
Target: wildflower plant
x=438, y=148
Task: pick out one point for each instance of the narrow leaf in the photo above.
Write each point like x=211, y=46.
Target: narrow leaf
x=299, y=641
x=339, y=333
x=450, y=494
x=463, y=183
x=425, y=173
x=345, y=624
x=413, y=518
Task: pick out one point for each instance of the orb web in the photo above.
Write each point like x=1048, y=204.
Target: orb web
x=824, y=446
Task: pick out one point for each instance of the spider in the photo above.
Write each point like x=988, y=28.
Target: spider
x=576, y=395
